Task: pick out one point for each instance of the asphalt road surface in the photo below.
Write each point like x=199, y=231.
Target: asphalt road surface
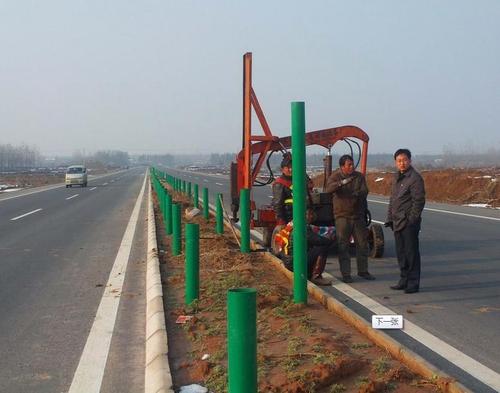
x=459, y=298
x=57, y=249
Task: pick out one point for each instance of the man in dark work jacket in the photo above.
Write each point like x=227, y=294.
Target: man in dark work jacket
x=404, y=218
x=282, y=193
x=349, y=208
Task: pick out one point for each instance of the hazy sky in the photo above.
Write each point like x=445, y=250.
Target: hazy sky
x=166, y=76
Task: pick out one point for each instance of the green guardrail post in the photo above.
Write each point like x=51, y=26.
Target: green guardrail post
x=168, y=214
x=192, y=262
x=242, y=340
x=205, y=203
x=189, y=190
x=219, y=218
x=245, y=220
x=195, y=197
x=176, y=229
x=299, y=203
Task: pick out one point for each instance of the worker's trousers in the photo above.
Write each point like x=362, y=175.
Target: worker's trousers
x=345, y=227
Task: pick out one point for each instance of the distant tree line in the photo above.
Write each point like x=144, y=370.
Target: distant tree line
x=18, y=157
x=167, y=160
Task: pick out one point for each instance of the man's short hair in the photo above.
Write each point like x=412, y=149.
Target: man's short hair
x=406, y=152
x=286, y=161
x=344, y=158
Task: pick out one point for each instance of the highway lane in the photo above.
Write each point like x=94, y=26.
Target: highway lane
x=54, y=265
x=459, y=300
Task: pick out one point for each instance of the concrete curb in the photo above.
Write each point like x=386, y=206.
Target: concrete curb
x=157, y=373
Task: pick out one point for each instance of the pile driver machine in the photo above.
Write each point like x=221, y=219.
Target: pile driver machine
x=245, y=172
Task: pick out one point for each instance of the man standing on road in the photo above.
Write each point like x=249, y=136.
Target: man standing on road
x=349, y=208
x=404, y=218
x=282, y=192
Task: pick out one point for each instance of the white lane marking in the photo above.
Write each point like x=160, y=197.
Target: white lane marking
x=25, y=214
x=92, y=189
x=105, y=184
x=460, y=359
x=445, y=211
x=205, y=180
x=112, y=181
x=90, y=371
x=270, y=196
x=72, y=196
x=219, y=184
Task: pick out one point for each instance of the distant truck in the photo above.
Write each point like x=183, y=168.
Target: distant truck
x=76, y=175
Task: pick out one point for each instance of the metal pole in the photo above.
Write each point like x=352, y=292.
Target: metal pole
x=205, y=203
x=195, y=196
x=192, y=262
x=176, y=229
x=245, y=220
x=189, y=190
x=299, y=203
x=242, y=340
x=168, y=214
x=219, y=218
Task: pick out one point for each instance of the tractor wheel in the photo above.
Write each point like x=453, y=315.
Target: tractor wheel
x=376, y=240
x=267, y=236
x=274, y=246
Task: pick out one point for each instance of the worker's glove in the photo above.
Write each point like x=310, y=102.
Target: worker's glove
x=347, y=180
x=388, y=224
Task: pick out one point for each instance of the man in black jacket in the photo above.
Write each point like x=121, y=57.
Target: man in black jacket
x=404, y=217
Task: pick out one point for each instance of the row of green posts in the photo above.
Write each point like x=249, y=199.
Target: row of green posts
x=241, y=302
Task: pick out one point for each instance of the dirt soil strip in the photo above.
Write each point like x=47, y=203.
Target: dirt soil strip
x=157, y=373
x=301, y=349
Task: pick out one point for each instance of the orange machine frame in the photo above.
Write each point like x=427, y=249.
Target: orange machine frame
x=244, y=174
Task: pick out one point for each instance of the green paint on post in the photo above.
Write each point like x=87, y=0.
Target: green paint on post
x=299, y=203
x=168, y=214
x=189, y=190
x=242, y=340
x=245, y=220
x=176, y=229
x=205, y=203
x=192, y=263
x=219, y=218
x=196, y=197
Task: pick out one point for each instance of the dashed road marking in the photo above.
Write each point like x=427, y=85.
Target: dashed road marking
x=25, y=214
x=72, y=196
x=92, y=189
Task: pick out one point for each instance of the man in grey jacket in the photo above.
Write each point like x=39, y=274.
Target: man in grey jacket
x=404, y=217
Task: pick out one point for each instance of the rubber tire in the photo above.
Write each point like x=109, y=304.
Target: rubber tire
x=376, y=240
x=274, y=247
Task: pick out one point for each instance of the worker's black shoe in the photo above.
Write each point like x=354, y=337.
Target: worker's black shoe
x=411, y=290
x=347, y=279
x=366, y=276
x=398, y=287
